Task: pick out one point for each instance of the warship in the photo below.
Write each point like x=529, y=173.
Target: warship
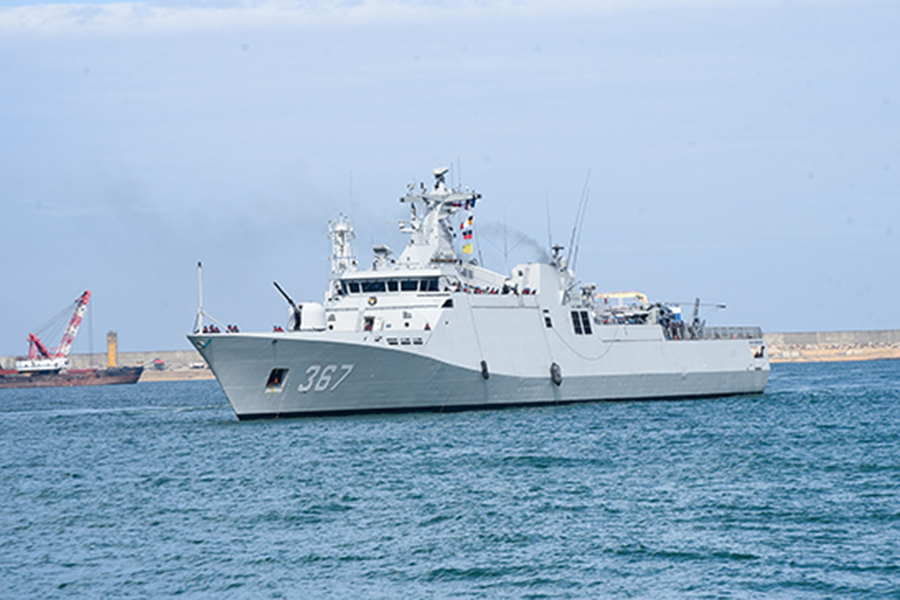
x=433, y=329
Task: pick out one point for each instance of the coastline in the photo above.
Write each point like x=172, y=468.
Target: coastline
x=816, y=354
x=833, y=346
x=176, y=375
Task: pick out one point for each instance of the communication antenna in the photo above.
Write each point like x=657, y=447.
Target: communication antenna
x=580, y=230
x=351, y=194
x=579, y=218
x=549, y=229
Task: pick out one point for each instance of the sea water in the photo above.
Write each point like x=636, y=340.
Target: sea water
x=156, y=489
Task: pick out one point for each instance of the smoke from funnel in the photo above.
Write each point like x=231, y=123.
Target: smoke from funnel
x=516, y=241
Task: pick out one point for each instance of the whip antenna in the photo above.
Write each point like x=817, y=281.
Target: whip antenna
x=579, y=217
x=549, y=229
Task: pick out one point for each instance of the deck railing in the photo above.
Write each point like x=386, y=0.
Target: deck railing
x=724, y=333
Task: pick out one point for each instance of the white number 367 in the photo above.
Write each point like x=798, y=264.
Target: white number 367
x=319, y=378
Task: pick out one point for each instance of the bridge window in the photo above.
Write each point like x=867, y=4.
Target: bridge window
x=392, y=286
x=370, y=286
x=409, y=285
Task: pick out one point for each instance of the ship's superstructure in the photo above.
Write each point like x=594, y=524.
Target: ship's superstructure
x=433, y=329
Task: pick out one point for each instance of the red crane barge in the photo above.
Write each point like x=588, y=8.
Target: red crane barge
x=50, y=368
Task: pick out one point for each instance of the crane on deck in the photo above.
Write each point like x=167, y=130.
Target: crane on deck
x=42, y=359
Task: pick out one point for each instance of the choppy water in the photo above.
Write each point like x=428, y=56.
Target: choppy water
x=156, y=490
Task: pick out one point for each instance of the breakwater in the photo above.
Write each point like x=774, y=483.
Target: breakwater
x=827, y=346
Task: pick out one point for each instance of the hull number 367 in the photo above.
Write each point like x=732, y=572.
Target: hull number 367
x=320, y=379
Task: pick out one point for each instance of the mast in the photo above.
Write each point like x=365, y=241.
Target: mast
x=340, y=231
x=429, y=227
x=198, y=322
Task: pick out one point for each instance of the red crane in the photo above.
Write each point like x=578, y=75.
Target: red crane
x=36, y=348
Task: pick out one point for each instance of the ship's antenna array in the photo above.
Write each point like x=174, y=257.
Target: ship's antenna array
x=549, y=229
x=351, y=195
x=575, y=238
x=580, y=230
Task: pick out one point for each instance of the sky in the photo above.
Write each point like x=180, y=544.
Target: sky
x=745, y=152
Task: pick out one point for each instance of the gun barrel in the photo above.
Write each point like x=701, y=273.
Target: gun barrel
x=283, y=293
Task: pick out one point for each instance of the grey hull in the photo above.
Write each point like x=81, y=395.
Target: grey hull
x=326, y=377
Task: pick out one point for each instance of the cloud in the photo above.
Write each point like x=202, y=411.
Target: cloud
x=190, y=16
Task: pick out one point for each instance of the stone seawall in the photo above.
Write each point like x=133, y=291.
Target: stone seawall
x=881, y=336
x=826, y=346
